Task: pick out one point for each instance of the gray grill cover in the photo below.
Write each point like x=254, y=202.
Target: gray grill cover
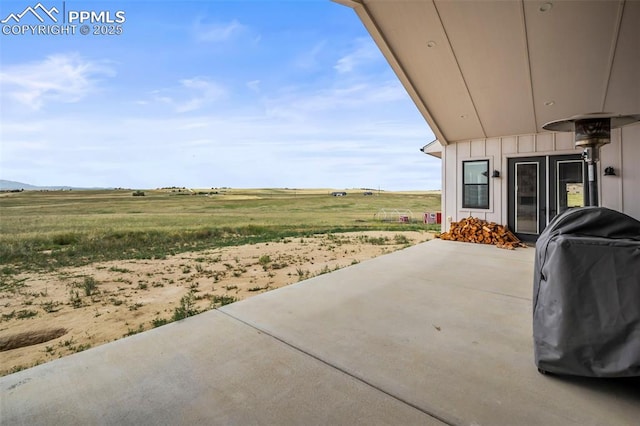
x=586, y=294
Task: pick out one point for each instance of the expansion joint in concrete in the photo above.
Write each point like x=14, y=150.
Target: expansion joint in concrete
x=342, y=370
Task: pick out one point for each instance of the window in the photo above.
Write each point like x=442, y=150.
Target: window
x=475, y=184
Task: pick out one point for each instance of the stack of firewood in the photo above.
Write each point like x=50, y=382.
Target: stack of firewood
x=473, y=230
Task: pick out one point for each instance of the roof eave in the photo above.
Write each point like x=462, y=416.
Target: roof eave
x=433, y=148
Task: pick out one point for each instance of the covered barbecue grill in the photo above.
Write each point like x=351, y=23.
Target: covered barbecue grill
x=586, y=295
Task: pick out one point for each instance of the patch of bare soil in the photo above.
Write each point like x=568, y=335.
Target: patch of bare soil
x=45, y=316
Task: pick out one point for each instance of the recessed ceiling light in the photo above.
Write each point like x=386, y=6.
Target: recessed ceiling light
x=549, y=103
x=431, y=43
x=545, y=7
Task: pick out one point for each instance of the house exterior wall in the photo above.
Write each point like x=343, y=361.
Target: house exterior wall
x=620, y=192
x=628, y=157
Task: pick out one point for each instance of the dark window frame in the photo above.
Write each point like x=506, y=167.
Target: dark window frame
x=476, y=188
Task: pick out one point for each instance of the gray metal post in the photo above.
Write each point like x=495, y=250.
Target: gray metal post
x=592, y=170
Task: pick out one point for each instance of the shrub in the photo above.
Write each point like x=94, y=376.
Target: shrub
x=8, y=270
x=376, y=241
x=187, y=307
x=74, y=299
x=264, y=260
x=89, y=285
x=158, y=322
x=324, y=270
x=218, y=301
x=401, y=239
x=50, y=306
x=64, y=239
x=302, y=274
x=135, y=306
x=132, y=331
x=138, y=194
x=25, y=313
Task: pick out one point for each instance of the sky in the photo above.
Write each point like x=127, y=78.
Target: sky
x=204, y=94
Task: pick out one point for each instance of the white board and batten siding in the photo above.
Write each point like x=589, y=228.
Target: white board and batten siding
x=620, y=192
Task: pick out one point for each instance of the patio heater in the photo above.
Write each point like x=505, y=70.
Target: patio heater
x=592, y=131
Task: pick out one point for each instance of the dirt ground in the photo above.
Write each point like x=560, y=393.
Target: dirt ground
x=45, y=316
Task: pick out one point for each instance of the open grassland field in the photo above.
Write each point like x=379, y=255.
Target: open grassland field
x=59, y=228
x=82, y=268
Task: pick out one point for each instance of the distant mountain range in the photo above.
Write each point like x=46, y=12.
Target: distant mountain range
x=10, y=185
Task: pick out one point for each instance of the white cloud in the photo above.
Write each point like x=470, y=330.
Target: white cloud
x=309, y=58
x=217, y=31
x=364, y=52
x=254, y=85
x=222, y=150
x=190, y=94
x=63, y=78
x=197, y=124
x=197, y=143
x=346, y=97
x=201, y=92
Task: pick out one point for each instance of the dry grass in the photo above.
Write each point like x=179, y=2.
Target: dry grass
x=47, y=230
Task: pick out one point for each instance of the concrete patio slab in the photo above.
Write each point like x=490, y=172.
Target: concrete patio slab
x=445, y=326
x=206, y=370
x=439, y=332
